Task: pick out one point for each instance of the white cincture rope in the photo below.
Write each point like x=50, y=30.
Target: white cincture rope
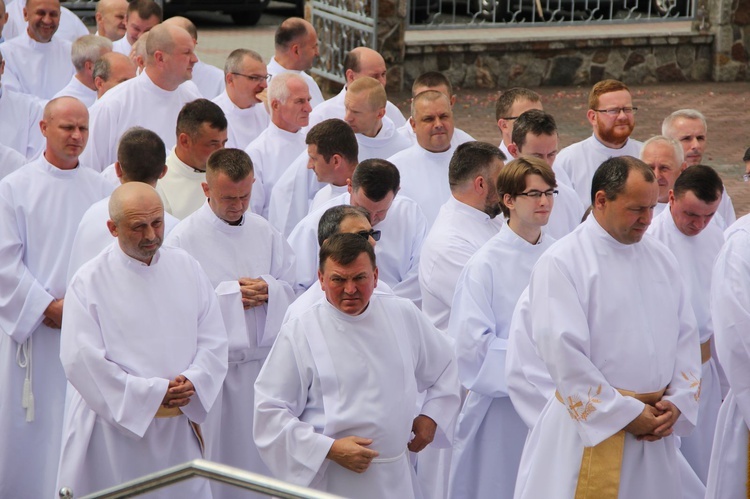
x=23, y=359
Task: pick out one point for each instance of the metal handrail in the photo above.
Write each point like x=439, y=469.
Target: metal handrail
x=206, y=469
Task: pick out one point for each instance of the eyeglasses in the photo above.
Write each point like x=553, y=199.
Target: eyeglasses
x=538, y=194
x=510, y=118
x=255, y=78
x=617, y=110
x=375, y=234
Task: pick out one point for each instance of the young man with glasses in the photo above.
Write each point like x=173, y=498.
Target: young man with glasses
x=373, y=186
x=246, y=78
x=490, y=434
x=612, y=117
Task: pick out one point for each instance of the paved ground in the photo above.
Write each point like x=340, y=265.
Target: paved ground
x=727, y=106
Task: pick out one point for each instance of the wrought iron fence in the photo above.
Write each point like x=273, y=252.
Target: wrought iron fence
x=441, y=14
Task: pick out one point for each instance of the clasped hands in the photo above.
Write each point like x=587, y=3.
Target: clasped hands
x=178, y=393
x=352, y=453
x=655, y=421
x=254, y=292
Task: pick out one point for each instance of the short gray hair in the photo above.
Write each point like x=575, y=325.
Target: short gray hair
x=278, y=89
x=679, y=154
x=89, y=48
x=689, y=114
x=234, y=60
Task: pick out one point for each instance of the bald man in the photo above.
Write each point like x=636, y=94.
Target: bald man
x=110, y=70
x=209, y=79
x=144, y=375
x=110, y=18
x=359, y=62
x=71, y=27
x=295, y=50
x=34, y=256
x=36, y=62
x=162, y=86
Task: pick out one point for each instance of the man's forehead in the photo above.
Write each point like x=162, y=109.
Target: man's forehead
x=436, y=107
x=685, y=124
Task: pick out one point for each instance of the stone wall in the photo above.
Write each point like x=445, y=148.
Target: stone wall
x=731, y=23
x=636, y=60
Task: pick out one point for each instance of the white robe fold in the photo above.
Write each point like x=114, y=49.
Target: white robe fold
x=566, y=214
x=120, y=350
x=726, y=210
x=490, y=435
x=180, y=189
x=326, y=194
x=335, y=108
x=76, y=89
x=40, y=206
x=581, y=160
x=122, y=46
x=136, y=102
x=730, y=308
x=402, y=233
x=36, y=69
x=331, y=375
x=20, y=115
x=93, y=236
x=10, y=161
x=274, y=68
x=609, y=316
x=293, y=194
x=209, y=80
x=424, y=177
x=695, y=256
x=272, y=153
x=253, y=249
x=384, y=145
x=459, y=231
x=245, y=125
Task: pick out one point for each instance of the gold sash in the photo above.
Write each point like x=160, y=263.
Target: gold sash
x=599, y=476
x=706, y=351
x=168, y=412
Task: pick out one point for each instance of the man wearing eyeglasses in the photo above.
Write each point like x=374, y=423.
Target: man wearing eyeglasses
x=535, y=134
x=612, y=117
x=397, y=219
x=620, y=341
x=246, y=78
x=490, y=434
x=336, y=400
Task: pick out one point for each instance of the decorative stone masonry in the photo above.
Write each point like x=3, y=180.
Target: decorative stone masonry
x=633, y=60
x=731, y=22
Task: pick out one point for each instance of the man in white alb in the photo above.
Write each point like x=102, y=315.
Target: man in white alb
x=71, y=27
x=490, y=434
x=144, y=364
x=434, y=80
x=366, y=112
x=20, y=115
x=689, y=128
x=283, y=141
x=208, y=78
x=252, y=268
x=359, y=62
x=400, y=224
x=666, y=158
x=140, y=18
x=730, y=294
x=424, y=165
x=10, y=160
x=201, y=130
x=111, y=70
x=40, y=207
x=86, y=51
x=612, y=117
x=509, y=106
x=110, y=18
x=36, y=62
x=463, y=225
x=535, y=134
x=140, y=158
x=685, y=229
x=619, y=338
x=163, y=85
x=295, y=50
x=245, y=78
x=3, y=19
x=335, y=401
x=316, y=176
